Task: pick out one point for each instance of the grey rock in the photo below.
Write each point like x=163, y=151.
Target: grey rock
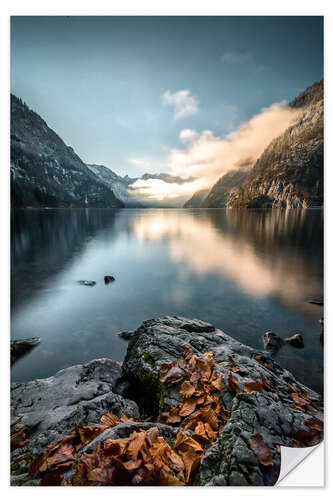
x=296, y=340
x=21, y=346
x=108, y=279
x=272, y=413
x=78, y=395
x=272, y=342
x=87, y=283
x=126, y=334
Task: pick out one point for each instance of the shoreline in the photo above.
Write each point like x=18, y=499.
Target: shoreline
x=251, y=396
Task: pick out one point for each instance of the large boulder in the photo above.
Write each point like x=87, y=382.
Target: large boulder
x=268, y=407
x=50, y=408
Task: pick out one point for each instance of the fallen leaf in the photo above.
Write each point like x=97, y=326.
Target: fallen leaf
x=233, y=383
x=261, y=449
x=186, y=390
x=314, y=423
x=252, y=387
x=187, y=407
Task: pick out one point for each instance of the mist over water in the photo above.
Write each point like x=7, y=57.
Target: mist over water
x=244, y=271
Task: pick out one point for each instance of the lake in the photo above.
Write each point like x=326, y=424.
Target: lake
x=244, y=271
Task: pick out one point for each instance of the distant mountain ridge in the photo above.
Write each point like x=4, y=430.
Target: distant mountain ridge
x=45, y=172
x=220, y=193
x=196, y=199
x=123, y=186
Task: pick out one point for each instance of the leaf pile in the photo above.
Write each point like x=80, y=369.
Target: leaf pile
x=199, y=410
x=61, y=455
x=17, y=435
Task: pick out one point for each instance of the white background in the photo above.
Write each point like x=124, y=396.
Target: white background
x=157, y=7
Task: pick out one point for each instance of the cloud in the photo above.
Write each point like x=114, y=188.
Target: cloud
x=235, y=57
x=205, y=157
x=188, y=135
x=208, y=157
x=183, y=103
x=140, y=162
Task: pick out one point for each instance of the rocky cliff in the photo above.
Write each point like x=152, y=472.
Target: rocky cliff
x=224, y=187
x=196, y=199
x=289, y=173
x=47, y=173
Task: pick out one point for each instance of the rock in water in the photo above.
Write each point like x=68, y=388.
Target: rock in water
x=295, y=340
x=272, y=342
x=20, y=347
x=108, y=279
x=87, y=283
x=318, y=301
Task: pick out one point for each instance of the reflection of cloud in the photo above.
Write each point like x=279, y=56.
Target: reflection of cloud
x=197, y=243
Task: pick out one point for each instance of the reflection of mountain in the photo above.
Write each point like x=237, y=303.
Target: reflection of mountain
x=47, y=240
x=260, y=251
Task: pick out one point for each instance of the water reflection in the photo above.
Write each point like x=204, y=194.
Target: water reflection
x=274, y=253
x=245, y=271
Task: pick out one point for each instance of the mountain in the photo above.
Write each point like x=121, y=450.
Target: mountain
x=47, y=173
x=196, y=199
x=119, y=185
x=124, y=189
x=289, y=173
x=224, y=187
x=170, y=179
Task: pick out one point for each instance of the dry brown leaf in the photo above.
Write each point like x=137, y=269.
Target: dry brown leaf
x=252, y=387
x=233, y=383
x=174, y=375
x=186, y=390
x=308, y=438
x=314, y=423
x=217, y=383
x=187, y=407
x=261, y=449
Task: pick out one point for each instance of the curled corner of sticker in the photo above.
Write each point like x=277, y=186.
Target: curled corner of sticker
x=300, y=469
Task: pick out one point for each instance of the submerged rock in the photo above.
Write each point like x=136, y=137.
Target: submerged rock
x=318, y=301
x=273, y=342
x=108, y=279
x=295, y=340
x=21, y=346
x=87, y=283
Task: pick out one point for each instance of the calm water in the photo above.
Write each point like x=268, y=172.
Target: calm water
x=244, y=271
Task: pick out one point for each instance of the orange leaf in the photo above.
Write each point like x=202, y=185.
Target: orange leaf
x=233, y=383
x=252, y=387
x=186, y=390
x=314, y=423
x=187, y=408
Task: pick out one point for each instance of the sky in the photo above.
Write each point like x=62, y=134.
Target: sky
x=165, y=94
